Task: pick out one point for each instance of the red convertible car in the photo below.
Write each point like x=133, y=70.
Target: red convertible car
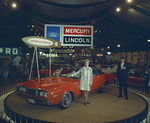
x=58, y=89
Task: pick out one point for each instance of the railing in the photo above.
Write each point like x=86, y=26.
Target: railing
x=136, y=88
x=8, y=88
x=8, y=116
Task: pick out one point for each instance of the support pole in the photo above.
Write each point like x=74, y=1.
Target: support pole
x=50, y=63
x=32, y=65
x=37, y=61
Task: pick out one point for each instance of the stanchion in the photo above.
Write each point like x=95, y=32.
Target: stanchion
x=15, y=118
x=138, y=89
x=5, y=115
x=20, y=119
x=133, y=87
x=26, y=120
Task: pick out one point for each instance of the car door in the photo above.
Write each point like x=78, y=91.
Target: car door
x=98, y=79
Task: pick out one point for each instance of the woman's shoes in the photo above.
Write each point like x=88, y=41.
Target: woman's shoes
x=86, y=103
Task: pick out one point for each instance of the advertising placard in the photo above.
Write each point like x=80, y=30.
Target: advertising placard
x=70, y=35
x=41, y=42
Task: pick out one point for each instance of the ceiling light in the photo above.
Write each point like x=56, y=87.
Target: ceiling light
x=108, y=53
x=118, y=45
x=14, y=5
x=129, y=1
x=108, y=47
x=148, y=40
x=118, y=9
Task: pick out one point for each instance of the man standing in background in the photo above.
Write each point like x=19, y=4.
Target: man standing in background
x=122, y=72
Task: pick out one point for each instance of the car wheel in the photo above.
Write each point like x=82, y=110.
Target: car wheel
x=65, y=101
x=103, y=88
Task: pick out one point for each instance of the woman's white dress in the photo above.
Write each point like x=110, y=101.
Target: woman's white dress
x=86, y=78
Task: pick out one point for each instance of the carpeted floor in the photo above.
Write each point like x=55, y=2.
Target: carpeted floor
x=104, y=107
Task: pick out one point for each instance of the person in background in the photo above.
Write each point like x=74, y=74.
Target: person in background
x=5, y=72
x=86, y=73
x=12, y=72
x=146, y=79
x=76, y=63
x=20, y=70
x=121, y=75
x=25, y=71
x=98, y=65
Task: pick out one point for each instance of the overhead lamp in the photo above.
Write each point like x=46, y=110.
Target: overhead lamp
x=108, y=47
x=118, y=45
x=148, y=40
x=108, y=53
x=129, y=1
x=14, y=5
x=102, y=48
x=118, y=9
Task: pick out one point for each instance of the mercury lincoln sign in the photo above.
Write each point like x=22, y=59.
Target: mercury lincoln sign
x=70, y=35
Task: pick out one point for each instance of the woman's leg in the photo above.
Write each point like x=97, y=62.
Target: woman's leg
x=86, y=97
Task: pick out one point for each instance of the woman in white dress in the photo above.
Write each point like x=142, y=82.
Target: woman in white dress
x=86, y=73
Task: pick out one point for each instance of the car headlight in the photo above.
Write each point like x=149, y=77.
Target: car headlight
x=43, y=93
x=23, y=89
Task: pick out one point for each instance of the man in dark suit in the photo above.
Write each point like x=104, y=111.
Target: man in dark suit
x=121, y=75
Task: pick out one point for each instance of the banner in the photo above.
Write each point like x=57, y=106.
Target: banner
x=70, y=35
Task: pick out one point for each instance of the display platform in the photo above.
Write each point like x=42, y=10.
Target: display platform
x=104, y=107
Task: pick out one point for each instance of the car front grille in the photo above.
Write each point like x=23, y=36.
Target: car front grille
x=32, y=92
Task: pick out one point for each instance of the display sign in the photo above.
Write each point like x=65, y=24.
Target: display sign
x=9, y=51
x=70, y=35
x=41, y=42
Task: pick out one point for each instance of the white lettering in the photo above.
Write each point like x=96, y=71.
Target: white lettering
x=14, y=51
x=8, y=51
x=78, y=31
x=68, y=30
x=77, y=40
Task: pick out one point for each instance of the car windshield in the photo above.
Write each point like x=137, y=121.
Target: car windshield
x=64, y=72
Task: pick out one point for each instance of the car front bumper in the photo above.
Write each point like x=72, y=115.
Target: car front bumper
x=35, y=100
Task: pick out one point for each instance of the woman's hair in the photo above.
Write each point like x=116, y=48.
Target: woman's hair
x=86, y=60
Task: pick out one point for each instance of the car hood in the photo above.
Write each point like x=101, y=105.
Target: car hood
x=47, y=83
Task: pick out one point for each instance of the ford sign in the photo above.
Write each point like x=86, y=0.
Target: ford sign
x=53, y=35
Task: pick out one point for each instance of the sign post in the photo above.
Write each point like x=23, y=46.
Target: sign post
x=40, y=42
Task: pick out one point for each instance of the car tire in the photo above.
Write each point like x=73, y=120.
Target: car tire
x=65, y=101
x=103, y=88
